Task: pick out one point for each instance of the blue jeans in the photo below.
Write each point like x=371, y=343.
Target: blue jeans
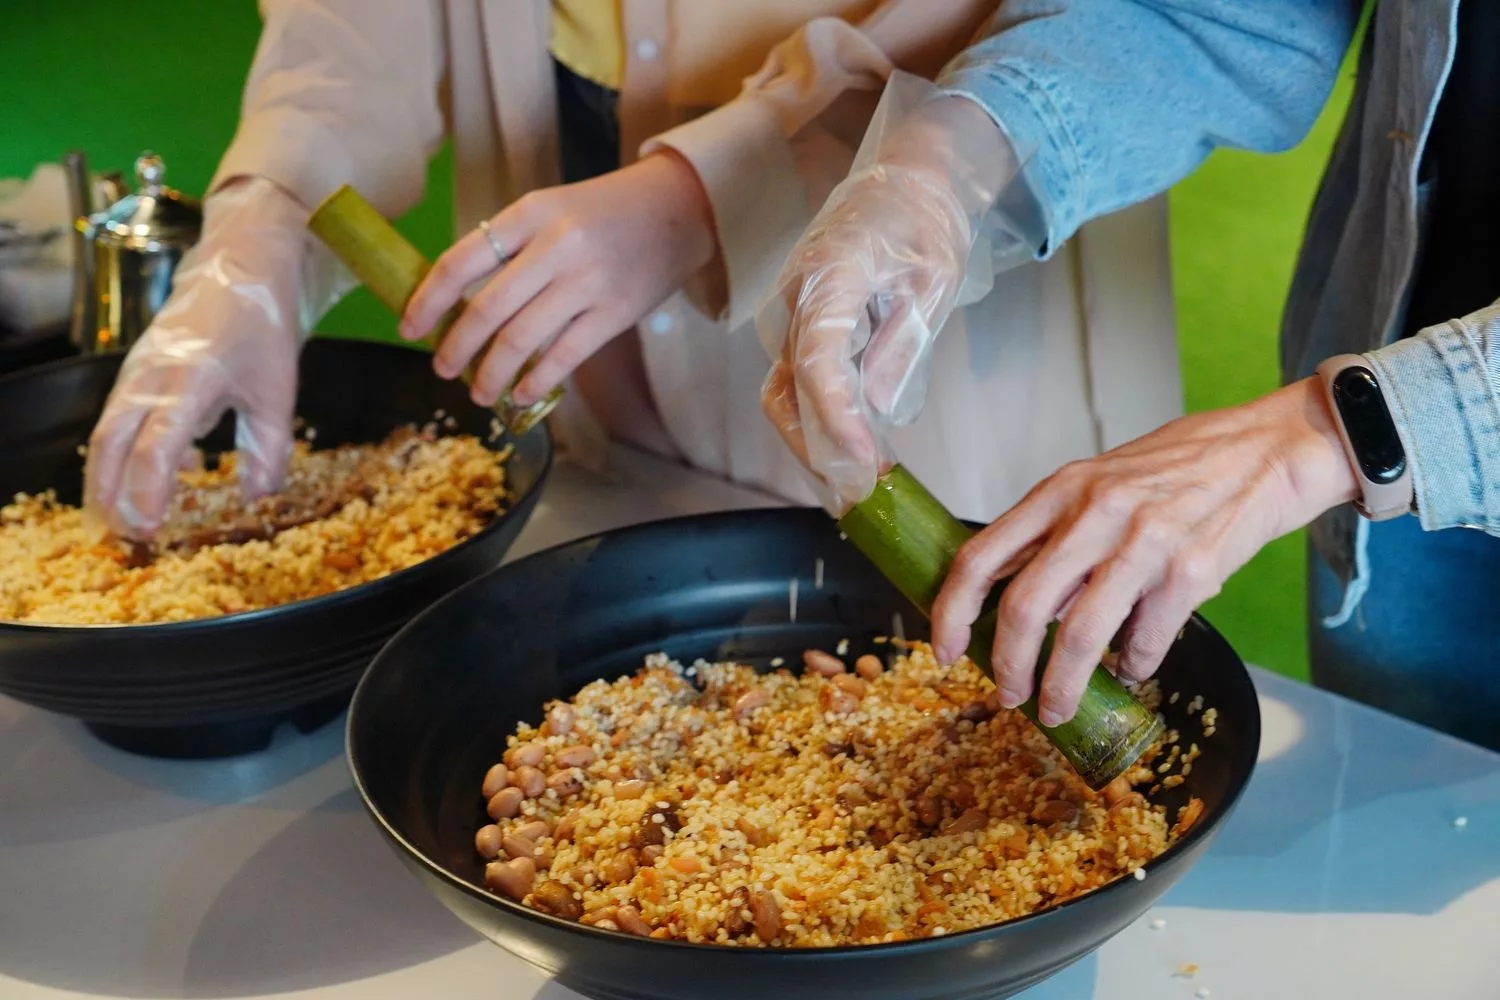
x=1425, y=641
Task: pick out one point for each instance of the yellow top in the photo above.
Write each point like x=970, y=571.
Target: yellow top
x=588, y=37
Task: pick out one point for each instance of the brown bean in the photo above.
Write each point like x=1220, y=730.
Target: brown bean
x=531, y=781
x=837, y=701
x=657, y=824
x=557, y=899
x=505, y=804
x=495, y=779
x=993, y=702
x=566, y=825
x=488, y=842
x=513, y=878
x=747, y=703
x=631, y=921
x=525, y=755
x=631, y=789
x=968, y=821
x=767, y=915
x=565, y=783
x=560, y=719
x=823, y=664
x=650, y=853
x=518, y=846
x=852, y=685
x=869, y=667
x=579, y=756
x=533, y=831
x=929, y=812
x=1055, y=811
x=621, y=867
x=735, y=922
x=975, y=711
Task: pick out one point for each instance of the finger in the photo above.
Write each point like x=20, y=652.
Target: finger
x=778, y=401
x=1096, y=614
x=527, y=332
x=892, y=366
x=577, y=343
x=498, y=301
x=983, y=560
x=462, y=264
x=1031, y=601
x=263, y=440
x=109, y=444
x=149, y=477
x=1159, y=616
x=829, y=320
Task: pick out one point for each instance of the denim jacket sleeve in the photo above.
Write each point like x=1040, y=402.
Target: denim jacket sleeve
x=1443, y=388
x=1116, y=100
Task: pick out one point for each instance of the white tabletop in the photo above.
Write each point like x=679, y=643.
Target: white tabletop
x=1364, y=860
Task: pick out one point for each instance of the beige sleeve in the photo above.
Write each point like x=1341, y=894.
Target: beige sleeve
x=343, y=92
x=769, y=158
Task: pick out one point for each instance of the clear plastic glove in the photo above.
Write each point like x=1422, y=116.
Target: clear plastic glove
x=242, y=303
x=908, y=237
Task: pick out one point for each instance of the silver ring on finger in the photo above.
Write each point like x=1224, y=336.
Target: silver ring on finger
x=502, y=258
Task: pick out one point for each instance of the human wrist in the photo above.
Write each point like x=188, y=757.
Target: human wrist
x=689, y=214
x=955, y=141
x=1313, y=461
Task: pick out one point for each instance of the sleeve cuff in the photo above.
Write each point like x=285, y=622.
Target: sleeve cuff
x=748, y=169
x=1022, y=110
x=1446, y=413
x=311, y=160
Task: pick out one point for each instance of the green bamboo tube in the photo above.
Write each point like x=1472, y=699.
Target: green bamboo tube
x=912, y=539
x=387, y=264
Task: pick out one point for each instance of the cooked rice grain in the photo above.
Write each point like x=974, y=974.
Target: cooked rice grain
x=841, y=810
x=419, y=500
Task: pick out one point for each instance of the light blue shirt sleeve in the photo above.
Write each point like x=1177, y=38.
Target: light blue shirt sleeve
x=1113, y=101
x=1443, y=389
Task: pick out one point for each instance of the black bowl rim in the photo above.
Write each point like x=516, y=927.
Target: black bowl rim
x=307, y=605
x=1201, y=830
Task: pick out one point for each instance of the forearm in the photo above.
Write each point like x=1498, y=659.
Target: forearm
x=342, y=92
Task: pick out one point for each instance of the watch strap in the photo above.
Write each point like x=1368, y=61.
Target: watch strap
x=1379, y=500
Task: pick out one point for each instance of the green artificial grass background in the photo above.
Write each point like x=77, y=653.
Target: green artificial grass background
x=114, y=79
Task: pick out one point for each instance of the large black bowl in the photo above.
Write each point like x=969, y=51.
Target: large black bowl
x=221, y=686
x=434, y=709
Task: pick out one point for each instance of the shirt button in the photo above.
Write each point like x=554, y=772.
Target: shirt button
x=647, y=49
x=659, y=323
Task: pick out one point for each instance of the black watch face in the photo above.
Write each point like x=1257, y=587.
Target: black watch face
x=1372, y=432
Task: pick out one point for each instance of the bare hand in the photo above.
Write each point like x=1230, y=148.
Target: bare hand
x=586, y=262
x=1139, y=537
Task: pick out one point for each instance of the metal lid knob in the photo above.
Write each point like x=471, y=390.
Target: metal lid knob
x=149, y=170
x=153, y=217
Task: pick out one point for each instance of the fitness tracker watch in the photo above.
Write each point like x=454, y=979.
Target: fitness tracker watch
x=1369, y=436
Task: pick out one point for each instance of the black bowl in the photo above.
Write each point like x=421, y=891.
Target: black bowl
x=435, y=707
x=221, y=686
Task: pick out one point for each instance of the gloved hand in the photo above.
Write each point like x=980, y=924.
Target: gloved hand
x=851, y=322
x=242, y=302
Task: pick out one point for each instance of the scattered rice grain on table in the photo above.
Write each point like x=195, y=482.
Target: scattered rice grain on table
x=350, y=515
x=714, y=804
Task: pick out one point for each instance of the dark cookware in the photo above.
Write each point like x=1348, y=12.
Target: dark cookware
x=434, y=709
x=221, y=686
